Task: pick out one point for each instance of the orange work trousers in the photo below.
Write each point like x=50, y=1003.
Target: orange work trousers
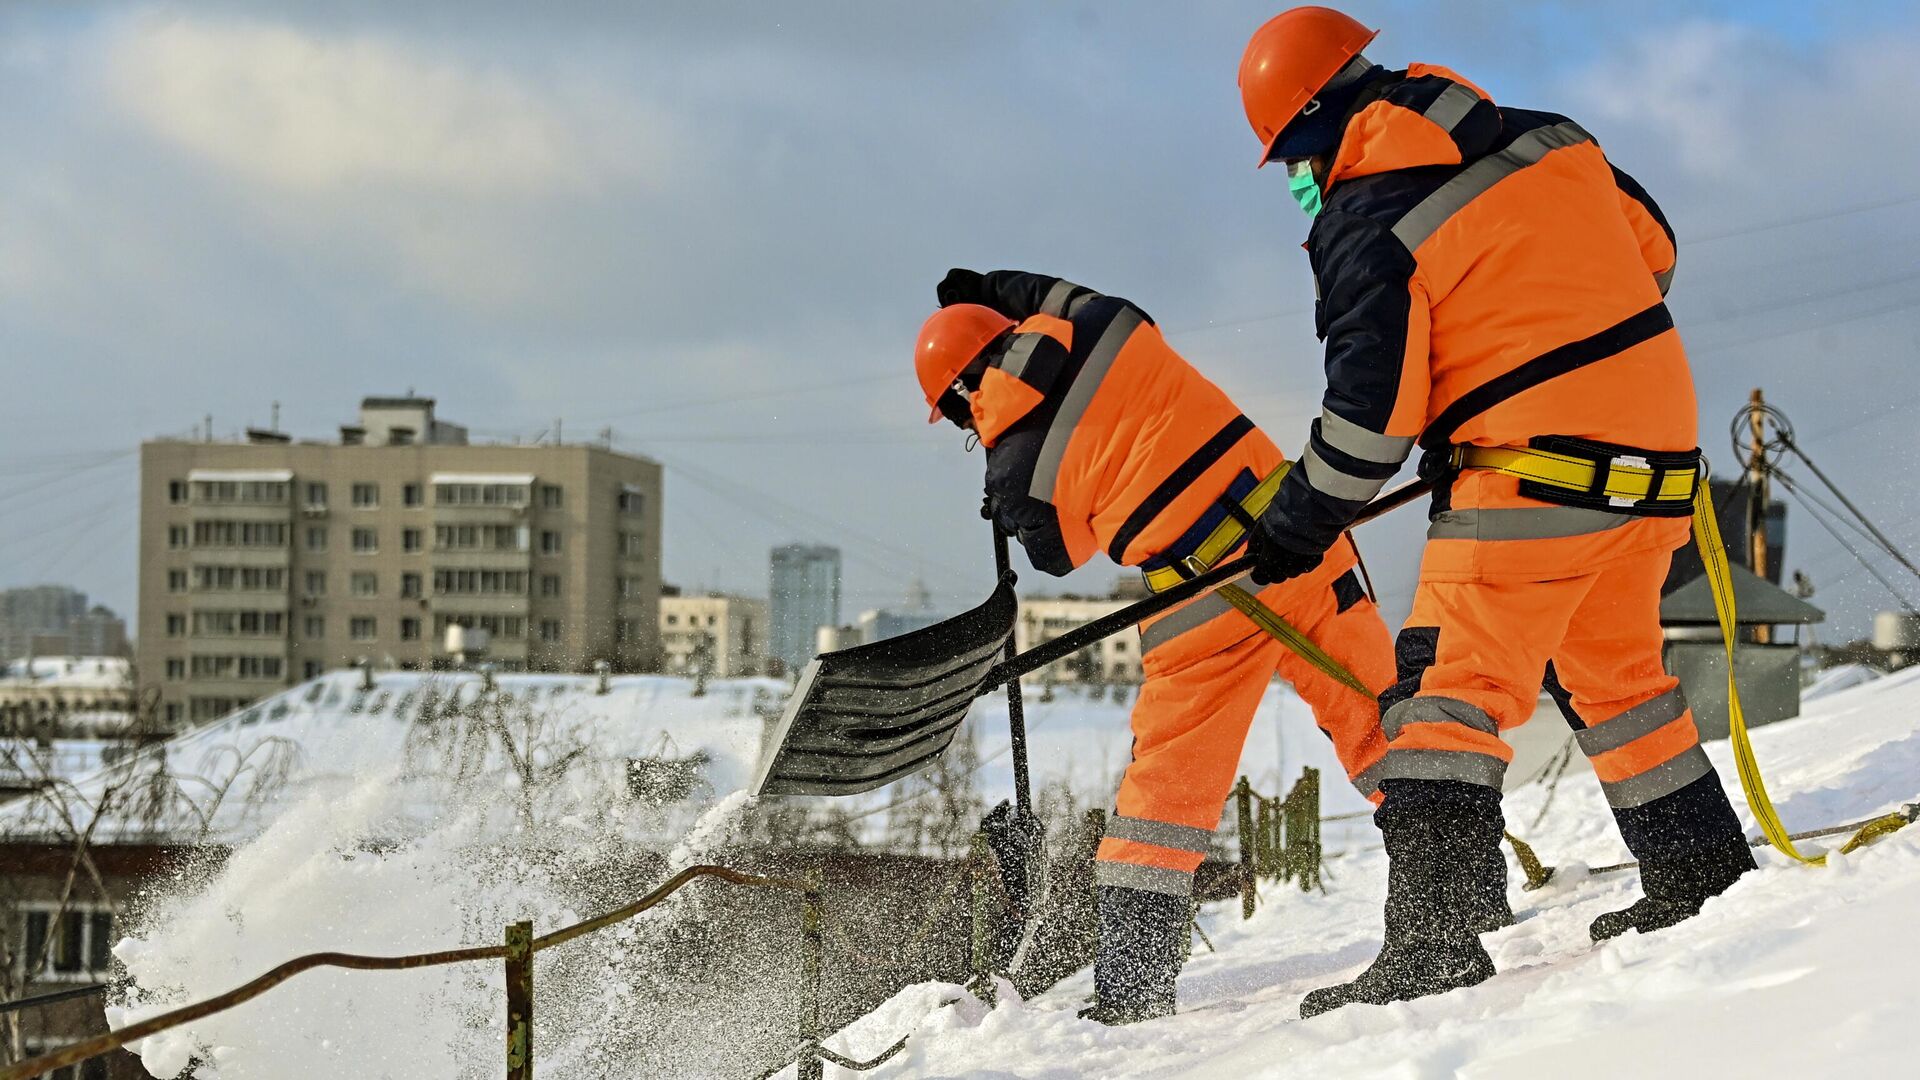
x=1207, y=667
x=1471, y=660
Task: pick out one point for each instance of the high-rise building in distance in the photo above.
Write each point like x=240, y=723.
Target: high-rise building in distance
x=803, y=593
x=268, y=561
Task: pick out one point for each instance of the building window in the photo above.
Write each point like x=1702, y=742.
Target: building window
x=673, y=620
x=316, y=583
x=410, y=586
x=410, y=495
x=410, y=540
x=176, y=669
x=480, y=494
x=317, y=538
x=364, y=583
x=480, y=537
x=176, y=626
x=549, y=629
x=550, y=496
x=172, y=713
x=361, y=628
x=177, y=536
x=312, y=669
x=316, y=627
x=366, y=541
x=480, y=582
x=176, y=581
x=82, y=941
x=177, y=491
x=549, y=584
x=409, y=629
x=266, y=492
x=317, y=496
x=633, y=545
x=239, y=534
x=626, y=631
x=549, y=542
x=366, y=496
x=631, y=501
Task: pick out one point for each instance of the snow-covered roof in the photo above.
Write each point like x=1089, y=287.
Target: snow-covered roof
x=430, y=732
x=75, y=672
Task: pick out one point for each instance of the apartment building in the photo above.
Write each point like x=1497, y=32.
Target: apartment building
x=1043, y=618
x=730, y=631
x=267, y=561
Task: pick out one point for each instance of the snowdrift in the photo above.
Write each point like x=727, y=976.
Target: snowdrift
x=1795, y=972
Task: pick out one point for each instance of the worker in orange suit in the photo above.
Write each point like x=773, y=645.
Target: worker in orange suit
x=1490, y=288
x=1099, y=437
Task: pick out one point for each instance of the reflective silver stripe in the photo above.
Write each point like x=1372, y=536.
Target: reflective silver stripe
x=1471, y=182
x=1128, y=875
x=1341, y=485
x=1191, y=617
x=1433, y=709
x=1355, y=68
x=1524, y=523
x=1643, y=719
x=1368, y=782
x=1451, y=107
x=1465, y=766
x=1046, y=469
x=1159, y=833
x=1661, y=780
x=1664, y=279
x=1056, y=302
x=1355, y=441
x=1019, y=353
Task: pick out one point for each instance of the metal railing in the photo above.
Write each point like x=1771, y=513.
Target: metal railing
x=517, y=952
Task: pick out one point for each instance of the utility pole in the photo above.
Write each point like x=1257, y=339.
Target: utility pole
x=1759, y=494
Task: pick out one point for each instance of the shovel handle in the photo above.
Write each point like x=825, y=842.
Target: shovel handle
x=1026, y=663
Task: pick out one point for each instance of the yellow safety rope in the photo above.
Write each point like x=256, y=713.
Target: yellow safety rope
x=1713, y=552
x=1627, y=481
x=1282, y=631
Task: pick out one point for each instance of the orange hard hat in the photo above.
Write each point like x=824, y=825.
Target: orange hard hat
x=949, y=340
x=1288, y=62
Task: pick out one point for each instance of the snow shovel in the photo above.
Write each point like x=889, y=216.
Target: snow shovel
x=864, y=717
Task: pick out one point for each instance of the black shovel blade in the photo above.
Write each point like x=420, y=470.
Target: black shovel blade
x=869, y=715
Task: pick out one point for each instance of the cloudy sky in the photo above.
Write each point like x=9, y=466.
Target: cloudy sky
x=716, y=227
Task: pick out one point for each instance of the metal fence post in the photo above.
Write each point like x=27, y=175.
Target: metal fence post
x=982, y=951
x=520, y=1001
x=1303, y=830
x=811, y=947
x=1243, y=799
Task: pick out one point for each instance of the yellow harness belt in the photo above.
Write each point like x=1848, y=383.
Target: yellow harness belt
x=1626, y=483
x=1223, y=539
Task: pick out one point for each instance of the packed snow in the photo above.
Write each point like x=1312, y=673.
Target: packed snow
x=1797, y=971
x=352, y=854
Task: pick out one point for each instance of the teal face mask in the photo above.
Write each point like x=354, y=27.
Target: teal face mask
x=1301, y=185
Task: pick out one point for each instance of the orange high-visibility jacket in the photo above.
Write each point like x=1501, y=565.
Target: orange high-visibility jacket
x=1484, y=276
x=1100, y=437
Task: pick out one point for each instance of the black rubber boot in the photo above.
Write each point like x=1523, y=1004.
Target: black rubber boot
x=1675, y=890
x=1691, y=849
x=1143, y=938
x=1484, y=885
x=1442, y=837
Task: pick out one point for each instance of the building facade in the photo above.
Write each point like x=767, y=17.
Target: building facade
x=803, y=595
x=54, y=620
x=268, y=561
x=1114, y=660
x=727, y=635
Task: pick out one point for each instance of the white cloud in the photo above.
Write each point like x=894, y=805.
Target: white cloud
x=316, y=113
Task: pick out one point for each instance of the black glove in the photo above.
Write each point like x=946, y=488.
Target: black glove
x=1274, y=563
x=961, y=287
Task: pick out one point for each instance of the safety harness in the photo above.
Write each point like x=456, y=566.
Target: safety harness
x=1641, y=483
x=1241, y=515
